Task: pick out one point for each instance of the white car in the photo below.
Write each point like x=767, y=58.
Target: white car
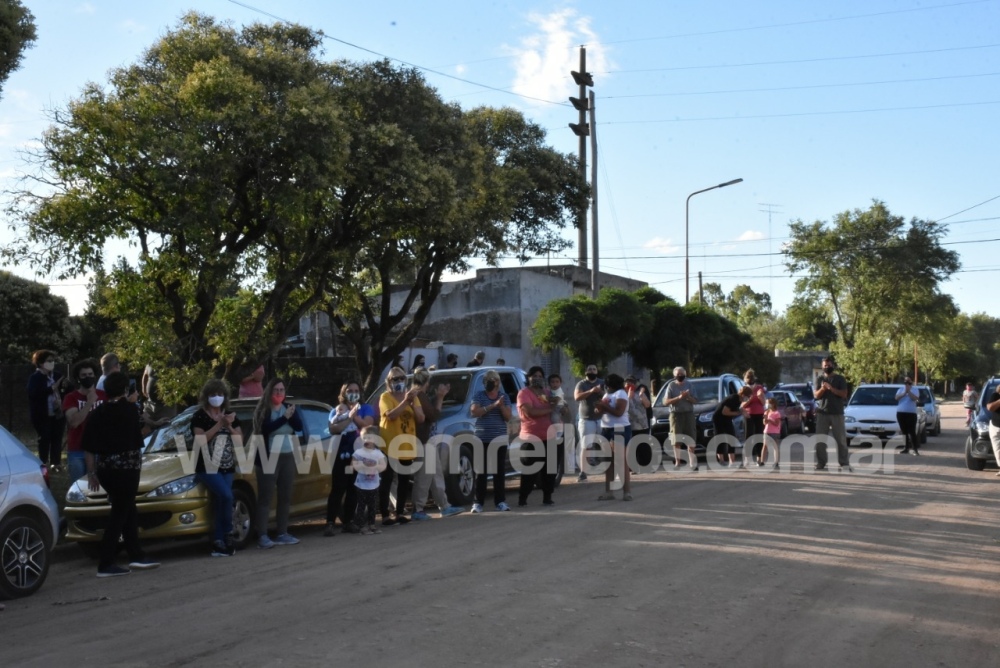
x=931, y=407
x=871, y=412
x=29, y=519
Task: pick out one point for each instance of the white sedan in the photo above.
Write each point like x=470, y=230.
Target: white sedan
x=871, y=413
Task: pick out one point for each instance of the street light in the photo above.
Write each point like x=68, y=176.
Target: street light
x=687, y=260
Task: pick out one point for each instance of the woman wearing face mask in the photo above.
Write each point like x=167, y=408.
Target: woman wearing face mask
x=491, y=408
x=401, y=411
x=45, y=407
x=347, y=419
x=534, y=406
x=616, y=428
x=219, y=430
x=753, y=408
x=276, y=423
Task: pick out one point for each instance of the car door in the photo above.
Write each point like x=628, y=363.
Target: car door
x=4, y=474
x=312, y=486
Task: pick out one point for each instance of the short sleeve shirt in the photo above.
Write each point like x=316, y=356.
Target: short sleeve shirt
x=608, y=420
x=536, y=425
x=586, y=406
x=405, y=424
x=732, y=402
x=77, y=399
x=829, y=403
x=674, y=390
x=492, y=424
x=220, y=450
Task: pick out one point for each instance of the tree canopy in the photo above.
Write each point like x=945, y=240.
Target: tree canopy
x=17, y=33
x=878, y=279
x=32, y=318
x=257, y=182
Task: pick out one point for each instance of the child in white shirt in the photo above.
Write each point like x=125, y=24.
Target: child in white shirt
x=368, y=461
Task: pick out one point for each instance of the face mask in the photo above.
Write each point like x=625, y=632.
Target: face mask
x=277, y=397
x=828, y=369
x=491, y=385
x=591, y=376
x=537, y=382
x=88, y=382
x=216, y=401
x=399, y=387
x=353, y=397
x=49, y=366
x=680, y=379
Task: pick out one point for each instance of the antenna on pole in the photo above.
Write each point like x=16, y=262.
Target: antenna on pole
x=769, y=210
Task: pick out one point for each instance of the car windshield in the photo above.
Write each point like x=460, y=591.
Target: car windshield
x=874, y=396
x=802, y=392
x=925, y=396
x=458, y=382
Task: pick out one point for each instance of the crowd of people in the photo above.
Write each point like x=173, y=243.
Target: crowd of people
x=372, y=473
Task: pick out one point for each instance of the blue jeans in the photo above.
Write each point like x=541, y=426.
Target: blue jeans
x=220, y=488
x=76, y=462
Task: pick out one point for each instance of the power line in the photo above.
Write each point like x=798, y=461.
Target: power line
x=806, y=60
x=806, y=87
x=400, y=60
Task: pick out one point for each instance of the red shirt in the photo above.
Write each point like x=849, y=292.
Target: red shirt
x=537, y=425
x=78, y=399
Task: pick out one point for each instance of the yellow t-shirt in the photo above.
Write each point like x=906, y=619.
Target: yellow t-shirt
x=405, y=423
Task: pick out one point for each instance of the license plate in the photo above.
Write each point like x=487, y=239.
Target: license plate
x=876, y=430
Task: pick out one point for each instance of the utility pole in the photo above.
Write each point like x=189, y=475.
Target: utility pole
x=595, y=274
x=581, y=129
x=771, y=208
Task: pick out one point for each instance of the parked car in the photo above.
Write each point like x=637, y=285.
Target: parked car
x=793, y=413
x=871, y=411
x=931, y=407
x=978, y=448
x=709, y=390
x=804, y=392
x=29, y=519
x=457, y=421
x=171, y=504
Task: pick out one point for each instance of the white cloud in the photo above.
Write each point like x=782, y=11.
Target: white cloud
x=460, y=69
x=85, y=8
x=751, y=235
x=661, y=245
x=543, y=59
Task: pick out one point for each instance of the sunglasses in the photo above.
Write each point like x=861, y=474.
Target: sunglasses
x=397, y=379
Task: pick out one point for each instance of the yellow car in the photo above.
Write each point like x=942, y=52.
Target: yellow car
x=172, y=505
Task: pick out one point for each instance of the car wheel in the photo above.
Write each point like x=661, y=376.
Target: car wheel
x=784, y=428
x=973, y=463
x=24, y=556
x=461, y=486
x=937, y=428
x=923, y=435
x=243, y=511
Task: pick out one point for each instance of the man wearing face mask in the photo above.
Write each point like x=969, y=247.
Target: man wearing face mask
x=831, y=391
x=588, y=393
x=683, y=431
x=77, y=406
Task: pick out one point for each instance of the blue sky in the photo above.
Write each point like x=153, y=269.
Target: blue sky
x=819, y=107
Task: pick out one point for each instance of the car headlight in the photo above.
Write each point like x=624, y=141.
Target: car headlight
x=174, y=487
x=76, y=494
x=982, y=428
x=705, y=417
x=850, y=418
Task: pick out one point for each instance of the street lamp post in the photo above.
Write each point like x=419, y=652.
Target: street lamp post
x=687, y=258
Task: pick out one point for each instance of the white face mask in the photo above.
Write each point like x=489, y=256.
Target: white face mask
x=216, y=401
x=49, y=366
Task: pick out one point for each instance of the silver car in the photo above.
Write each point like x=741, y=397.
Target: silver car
x=29, y=519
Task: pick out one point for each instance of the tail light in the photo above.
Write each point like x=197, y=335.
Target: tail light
x=45, y=474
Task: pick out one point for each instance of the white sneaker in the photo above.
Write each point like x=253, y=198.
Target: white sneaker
x=503, y=507
x=477, y=507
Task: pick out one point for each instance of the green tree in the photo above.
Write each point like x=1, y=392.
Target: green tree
x=879, y=277
x=17, y=33
x=592, y=331
x=31, y=317
x=429, y=187
x=219, y=156
x=661, y=346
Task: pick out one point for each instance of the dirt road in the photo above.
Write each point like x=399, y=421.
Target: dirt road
x=796, y=568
